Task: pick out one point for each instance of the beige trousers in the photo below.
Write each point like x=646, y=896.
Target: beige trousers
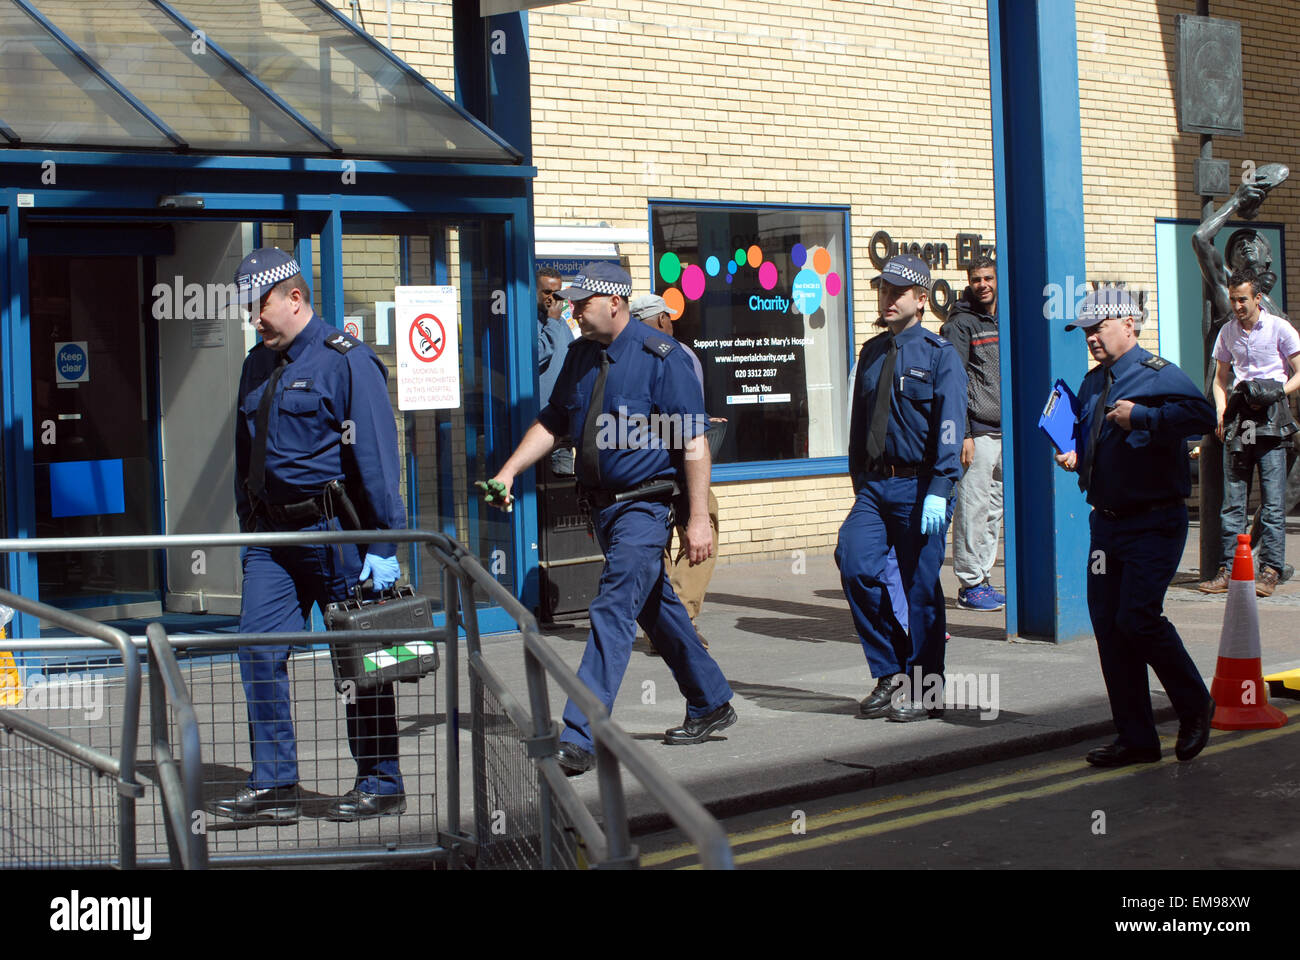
x=690, y=583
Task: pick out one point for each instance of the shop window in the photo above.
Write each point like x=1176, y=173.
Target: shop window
x=762, y=296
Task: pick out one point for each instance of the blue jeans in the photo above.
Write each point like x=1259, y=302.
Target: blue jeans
x=1272, y=492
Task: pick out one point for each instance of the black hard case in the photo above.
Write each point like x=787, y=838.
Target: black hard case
x=396, y=609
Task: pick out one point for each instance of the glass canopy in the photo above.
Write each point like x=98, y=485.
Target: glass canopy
x=283, y=77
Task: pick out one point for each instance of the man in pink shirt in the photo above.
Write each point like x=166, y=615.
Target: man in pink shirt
x=1256, y=354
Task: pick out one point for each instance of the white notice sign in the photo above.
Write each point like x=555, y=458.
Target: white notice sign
x=426, y=336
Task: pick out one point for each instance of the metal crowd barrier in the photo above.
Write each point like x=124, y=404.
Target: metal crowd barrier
x=58, y=772
x=540, y=736
x=526, y=812
x=181, y=788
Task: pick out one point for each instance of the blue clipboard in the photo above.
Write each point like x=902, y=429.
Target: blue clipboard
x=1060, y=414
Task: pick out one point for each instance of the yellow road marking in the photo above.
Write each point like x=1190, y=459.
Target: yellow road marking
x=874, y=808
x=989, y=803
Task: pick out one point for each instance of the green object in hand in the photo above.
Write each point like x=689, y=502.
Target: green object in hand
x=494, y=491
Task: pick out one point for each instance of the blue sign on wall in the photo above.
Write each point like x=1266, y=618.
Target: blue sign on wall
x=72, y=362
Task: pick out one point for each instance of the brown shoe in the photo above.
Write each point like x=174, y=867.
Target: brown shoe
x=1220, y=582
x=1266, y=582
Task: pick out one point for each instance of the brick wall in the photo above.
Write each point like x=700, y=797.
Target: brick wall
x=758, y=102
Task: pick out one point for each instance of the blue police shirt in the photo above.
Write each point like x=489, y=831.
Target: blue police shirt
x=1148, y=463
x=927, y=418
x=656, y=405
x=330, y=379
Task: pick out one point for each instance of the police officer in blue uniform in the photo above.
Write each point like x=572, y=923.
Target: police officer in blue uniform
x=315, y=443
x=1136, y=411
x=630, y=396
x=906, y=430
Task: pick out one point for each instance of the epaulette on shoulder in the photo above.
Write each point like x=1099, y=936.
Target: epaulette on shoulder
x=341, y=342
x=1155, y=363
x=659, y=345
x=934, y=338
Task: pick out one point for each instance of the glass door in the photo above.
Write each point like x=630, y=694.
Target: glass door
x=93, y=430
x=444, y=448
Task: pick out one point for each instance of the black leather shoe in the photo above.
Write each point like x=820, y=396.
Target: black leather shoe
x=359, y=805
x=574, y=760
x=1194, y=734
x=1113, y=755
x=907, y=712
x=878, y=702
x=697, y=729
x=272, y=804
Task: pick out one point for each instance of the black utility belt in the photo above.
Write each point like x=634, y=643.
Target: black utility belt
x=300, y=513
x=1137, y=511
x=885, y=470
x=662, y=489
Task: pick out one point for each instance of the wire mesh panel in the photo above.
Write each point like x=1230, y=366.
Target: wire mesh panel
x=314, y=738
x=54, y=811
x=509, y=802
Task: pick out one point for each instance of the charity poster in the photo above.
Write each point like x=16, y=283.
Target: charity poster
x=761, y=295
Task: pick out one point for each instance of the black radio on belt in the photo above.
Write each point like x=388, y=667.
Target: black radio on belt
x=371, y=664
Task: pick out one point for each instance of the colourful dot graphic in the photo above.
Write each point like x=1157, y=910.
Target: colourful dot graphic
x=821, y=260
x=798, y=254
x=767, y=275
x=711, y=266
x=806, y=292
x=740, y=257
x=728, y=278
x=833, y=284
x=693, y=282
x=670, y=267
x=673, y=297
x=754, y=255
x=731, y=268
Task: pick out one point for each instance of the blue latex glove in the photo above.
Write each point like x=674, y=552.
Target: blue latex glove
x=384, y=571
x=933, y=512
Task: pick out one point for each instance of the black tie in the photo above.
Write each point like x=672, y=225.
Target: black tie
x=590, y=456
x=257, y=465
x=1098, y=419
x=880, y=409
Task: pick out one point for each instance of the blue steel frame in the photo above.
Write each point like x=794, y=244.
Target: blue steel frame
x=1038, y=198
x=127, y=186
x=771, y=469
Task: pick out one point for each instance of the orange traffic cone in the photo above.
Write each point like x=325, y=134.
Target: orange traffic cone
x=1238, y=689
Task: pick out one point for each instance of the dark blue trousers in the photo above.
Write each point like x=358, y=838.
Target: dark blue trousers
x=1127, y=581
x=634, y=589
x=887, y=513
x=280, y=586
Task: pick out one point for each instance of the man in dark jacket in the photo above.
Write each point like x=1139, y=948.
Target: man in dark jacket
x=972, y=328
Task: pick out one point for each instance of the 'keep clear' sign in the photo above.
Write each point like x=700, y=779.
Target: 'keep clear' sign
x=426, y=336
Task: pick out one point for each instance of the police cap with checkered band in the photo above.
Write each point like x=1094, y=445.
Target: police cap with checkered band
x=1102, y=303
x=260, y=271
x=598, y=279
x=906, y=270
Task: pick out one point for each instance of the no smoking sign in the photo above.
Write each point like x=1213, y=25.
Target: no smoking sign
x=428, y=338
x=428, y=357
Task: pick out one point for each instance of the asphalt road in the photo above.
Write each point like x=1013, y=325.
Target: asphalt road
x=1237, y=806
